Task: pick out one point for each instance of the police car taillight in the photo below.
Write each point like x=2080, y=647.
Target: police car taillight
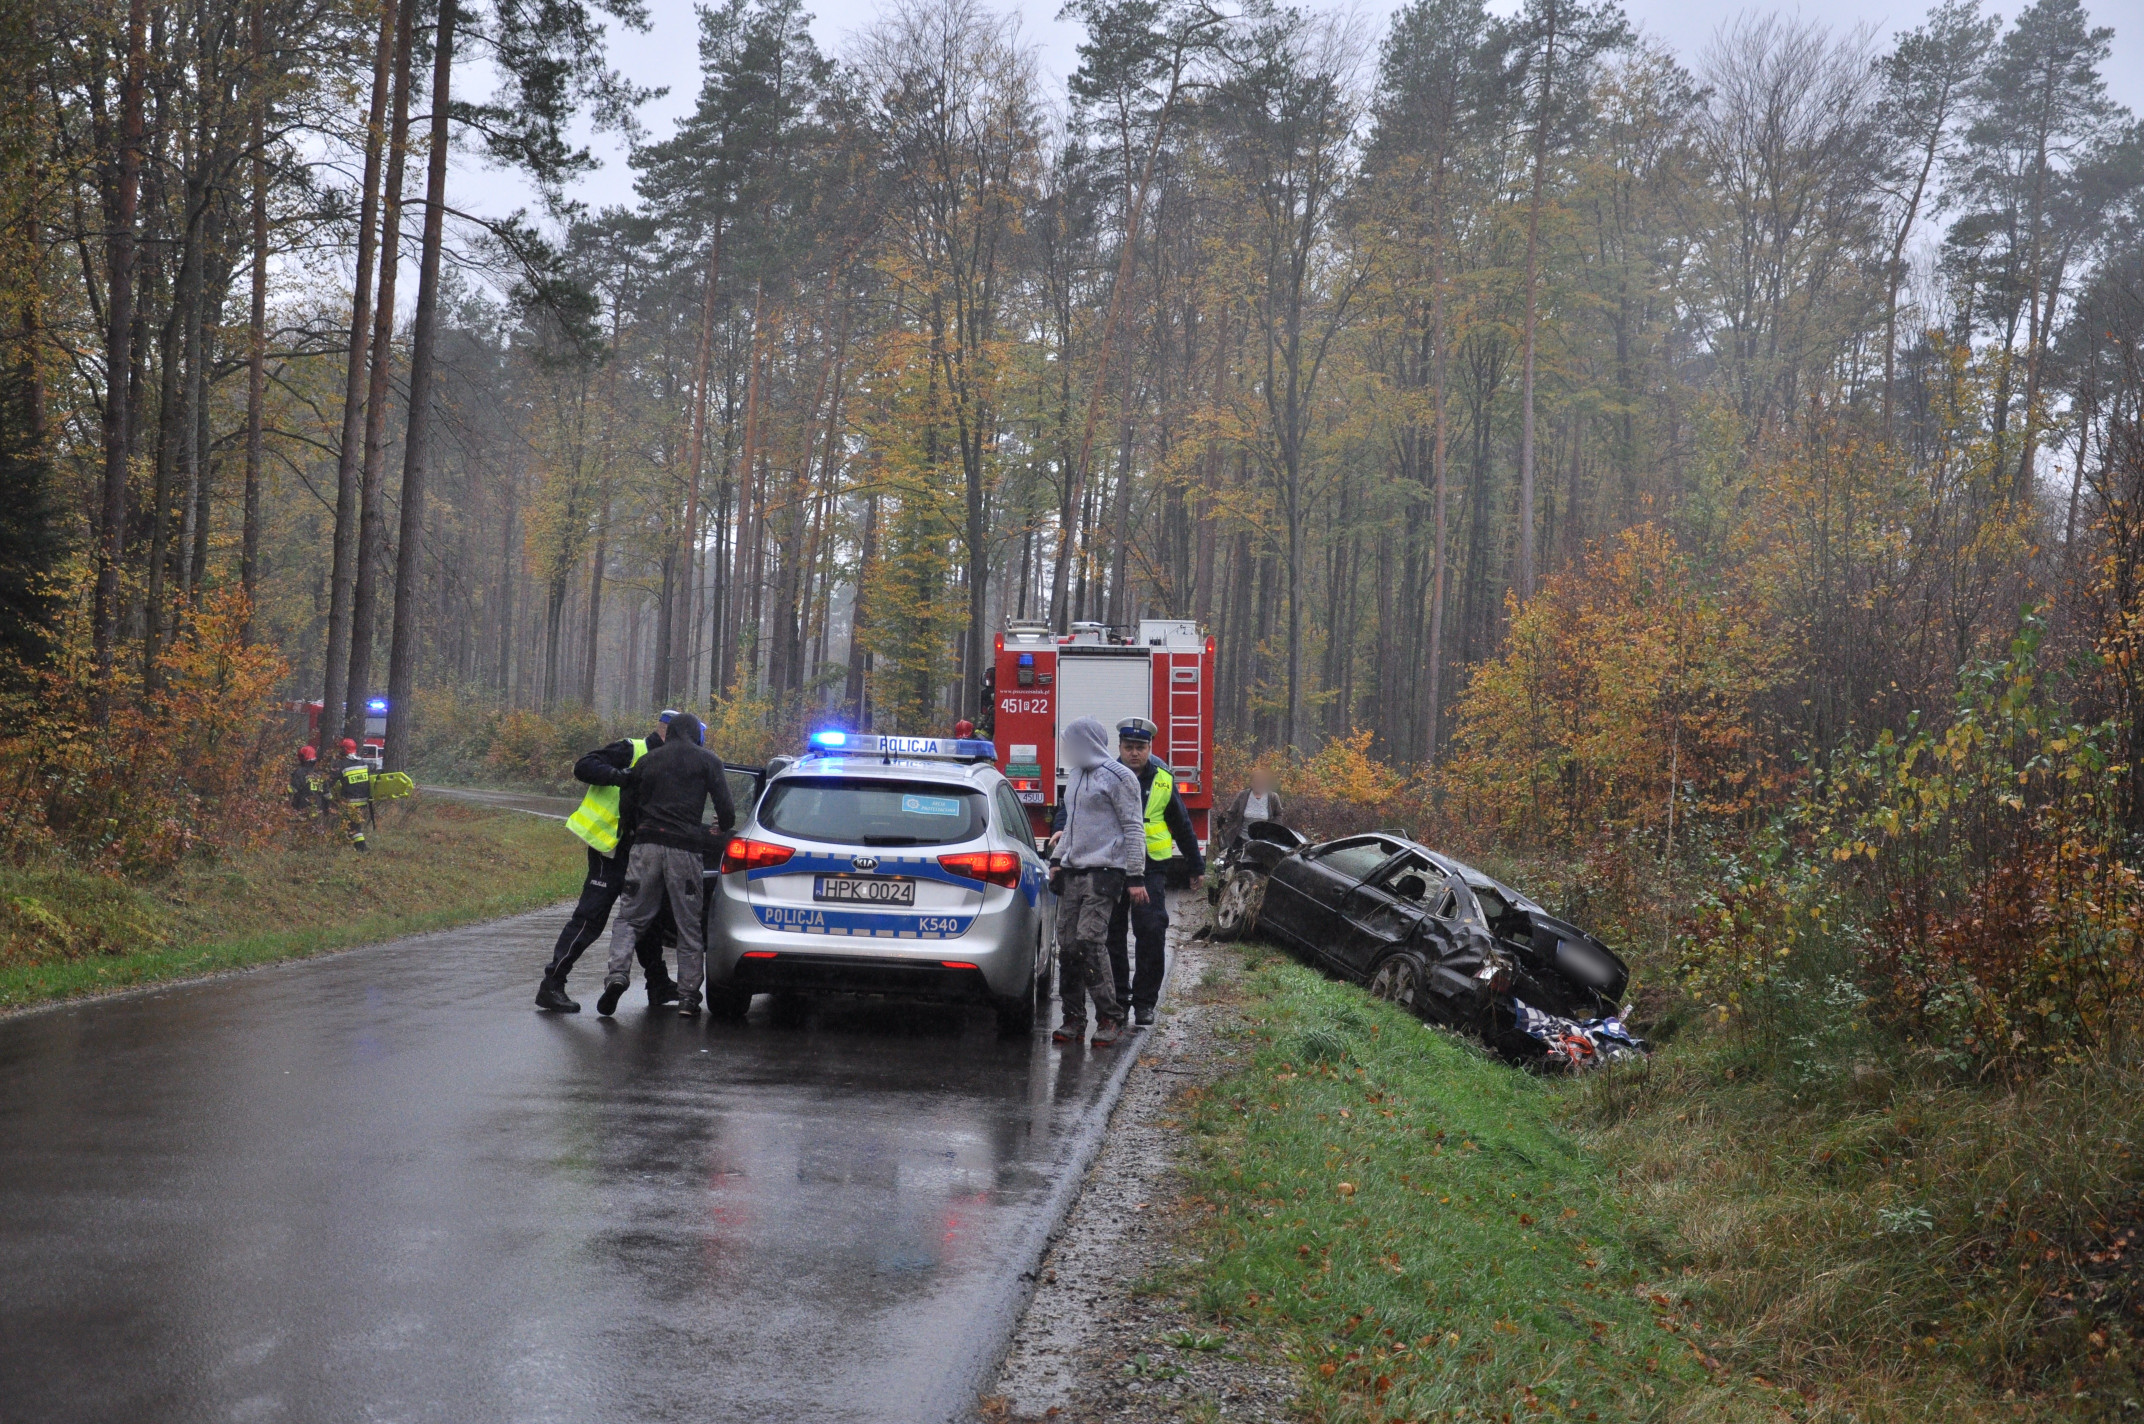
x=754, y=855
x=992, y=867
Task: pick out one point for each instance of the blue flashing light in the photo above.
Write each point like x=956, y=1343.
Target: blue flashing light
x=377, y=704
x=867, y=744
x=1027, y=660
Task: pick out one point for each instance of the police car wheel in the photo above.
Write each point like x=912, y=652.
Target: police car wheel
x=728, y=1005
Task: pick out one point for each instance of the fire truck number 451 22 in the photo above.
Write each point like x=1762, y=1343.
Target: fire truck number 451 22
x=1024, y=706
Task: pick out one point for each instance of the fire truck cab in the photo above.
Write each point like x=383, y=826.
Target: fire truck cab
x=1043, y=681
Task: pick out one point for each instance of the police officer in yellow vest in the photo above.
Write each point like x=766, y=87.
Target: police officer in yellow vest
x=1168, y=834
x=605, y=820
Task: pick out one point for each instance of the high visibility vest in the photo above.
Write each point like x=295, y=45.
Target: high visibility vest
x=1160, y=843
x=356, y=783
x=595, y=820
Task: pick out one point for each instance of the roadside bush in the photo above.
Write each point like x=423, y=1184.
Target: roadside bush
x=189, y=765
x=1626, y=701
x=1980, y=875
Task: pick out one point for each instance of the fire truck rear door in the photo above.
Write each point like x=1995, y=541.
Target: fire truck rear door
x=1108, y=687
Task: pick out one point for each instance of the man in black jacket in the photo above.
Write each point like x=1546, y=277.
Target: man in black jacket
x=671, y=787
x=606, y=822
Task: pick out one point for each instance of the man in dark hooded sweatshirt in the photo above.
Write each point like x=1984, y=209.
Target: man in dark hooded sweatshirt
x=671, y=786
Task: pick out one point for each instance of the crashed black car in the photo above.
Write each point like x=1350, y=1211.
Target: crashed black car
x=1434, y=936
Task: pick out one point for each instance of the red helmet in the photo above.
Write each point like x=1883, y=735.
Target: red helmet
x=308, y=754
x=349, y=748
x=963, y=728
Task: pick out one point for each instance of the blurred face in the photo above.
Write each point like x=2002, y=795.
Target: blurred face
x=1133, y=754
x=1262, y=782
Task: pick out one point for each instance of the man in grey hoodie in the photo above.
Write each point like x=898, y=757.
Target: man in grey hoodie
x=1100, y=849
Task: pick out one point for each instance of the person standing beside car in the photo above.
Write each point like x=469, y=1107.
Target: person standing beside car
x=1257, y=802
x=1100, y=849
x=1167, y=835
x=605, y=822
x=672, y=787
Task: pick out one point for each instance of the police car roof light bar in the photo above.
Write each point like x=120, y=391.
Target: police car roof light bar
x=838, y=743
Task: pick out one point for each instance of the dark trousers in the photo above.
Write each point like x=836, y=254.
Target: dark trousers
x=599, y=892
x=1149, y=929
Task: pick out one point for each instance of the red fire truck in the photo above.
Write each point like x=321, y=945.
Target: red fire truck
x=1043, y=681
x=372, y=749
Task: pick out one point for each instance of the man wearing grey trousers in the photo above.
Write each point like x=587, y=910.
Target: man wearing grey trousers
x=671, y=786
x=1102, y=846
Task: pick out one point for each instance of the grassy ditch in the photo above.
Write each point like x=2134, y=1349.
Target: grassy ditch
x=1829, y=1227
x=432, y=865
x=1410, y=1223
x=1896, y=1240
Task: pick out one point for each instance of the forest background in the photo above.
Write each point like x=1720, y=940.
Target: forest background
x=1713, y=491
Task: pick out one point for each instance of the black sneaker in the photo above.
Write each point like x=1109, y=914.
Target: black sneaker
x=1143, y=1017
x=1069, y=1033
x=552, y=997
x=660, y=994
x=612, y=993
x=1107, y=1032
x=689, y=1006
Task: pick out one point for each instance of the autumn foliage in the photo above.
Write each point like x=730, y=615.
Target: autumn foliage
x=1628, y=699
x=188, y=763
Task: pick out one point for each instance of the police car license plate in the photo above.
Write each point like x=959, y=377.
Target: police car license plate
x=863, y=890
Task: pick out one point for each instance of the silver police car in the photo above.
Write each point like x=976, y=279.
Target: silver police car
x=900, y=866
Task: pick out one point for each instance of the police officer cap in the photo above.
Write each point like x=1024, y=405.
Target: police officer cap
x=666, y=715
x=1135, y=729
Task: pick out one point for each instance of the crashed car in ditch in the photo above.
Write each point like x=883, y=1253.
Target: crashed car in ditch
x=1434, y=936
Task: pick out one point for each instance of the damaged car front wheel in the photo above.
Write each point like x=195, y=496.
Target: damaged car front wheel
x=1235, y=913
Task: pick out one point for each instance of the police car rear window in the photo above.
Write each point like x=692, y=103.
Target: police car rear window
x=849, y=811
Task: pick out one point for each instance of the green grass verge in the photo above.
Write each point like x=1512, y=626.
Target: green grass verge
x=433, y=865
x=1410, y=1223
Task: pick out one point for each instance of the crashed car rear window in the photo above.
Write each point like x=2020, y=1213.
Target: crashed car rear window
x=850, y=811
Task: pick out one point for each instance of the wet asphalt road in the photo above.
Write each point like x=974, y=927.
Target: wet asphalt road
x=380, y=1186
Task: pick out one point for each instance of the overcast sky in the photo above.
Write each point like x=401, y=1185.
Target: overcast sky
x=667, y=55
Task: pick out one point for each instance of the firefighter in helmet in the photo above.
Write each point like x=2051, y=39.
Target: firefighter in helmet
x=353, y=792
x=305, y=783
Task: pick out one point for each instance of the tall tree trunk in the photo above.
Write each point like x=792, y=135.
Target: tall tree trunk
x=372, y=511
x=703, y=360
x=1532, y=313
x=867, y=555
x=416, y=445
x=350, y=456
x=1078, y=473
x=747, y=537
x=119, y=355
x=1440, y=383
x=249, y=539
x=171, y=435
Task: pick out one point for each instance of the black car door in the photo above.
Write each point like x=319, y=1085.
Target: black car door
x=1381, y=913
x=1304, y=896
